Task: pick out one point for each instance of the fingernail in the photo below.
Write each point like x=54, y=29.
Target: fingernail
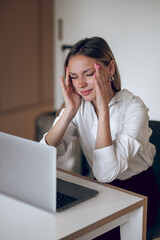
x=94, y=74
x=97, y=66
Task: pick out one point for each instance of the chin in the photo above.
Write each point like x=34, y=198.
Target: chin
x=87, y=98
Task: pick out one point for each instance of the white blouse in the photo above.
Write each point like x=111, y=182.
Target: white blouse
x=131, y=152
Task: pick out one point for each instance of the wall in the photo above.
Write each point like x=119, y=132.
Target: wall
x=26, y=65
x=132, y=30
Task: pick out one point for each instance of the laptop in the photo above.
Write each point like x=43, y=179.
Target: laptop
x=28, y=173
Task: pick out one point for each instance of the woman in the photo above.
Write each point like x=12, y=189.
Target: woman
x=111, y=124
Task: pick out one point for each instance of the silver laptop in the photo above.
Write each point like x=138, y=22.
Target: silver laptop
x=28, y=173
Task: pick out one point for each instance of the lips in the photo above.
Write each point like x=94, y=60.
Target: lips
x=87, y=92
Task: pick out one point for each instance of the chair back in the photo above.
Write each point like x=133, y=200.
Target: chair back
x=155, y=139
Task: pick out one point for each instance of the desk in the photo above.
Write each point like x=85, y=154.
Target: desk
x=110, y=208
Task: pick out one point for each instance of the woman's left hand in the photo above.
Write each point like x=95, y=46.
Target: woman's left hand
x=102, y=100
x=102, y=89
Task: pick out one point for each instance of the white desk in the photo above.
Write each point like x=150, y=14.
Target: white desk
x=110, y=208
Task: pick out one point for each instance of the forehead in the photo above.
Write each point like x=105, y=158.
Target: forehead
x=80, y=63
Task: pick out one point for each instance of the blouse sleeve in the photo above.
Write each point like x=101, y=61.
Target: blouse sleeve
x=111, y=161
x=69, y=136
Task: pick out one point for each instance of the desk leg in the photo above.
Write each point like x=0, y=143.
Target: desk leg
x=104, y=228
x=133, y=228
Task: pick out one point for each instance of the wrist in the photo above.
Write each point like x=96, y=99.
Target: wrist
x=104, y=114
x=69, y=114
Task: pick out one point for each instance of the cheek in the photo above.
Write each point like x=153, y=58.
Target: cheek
x=91, y=82
x=75, y=85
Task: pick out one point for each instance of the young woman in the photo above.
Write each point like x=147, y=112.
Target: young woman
x=111, y=124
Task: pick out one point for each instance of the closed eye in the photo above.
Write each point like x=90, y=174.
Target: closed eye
x=73, y=77
x=89, y=75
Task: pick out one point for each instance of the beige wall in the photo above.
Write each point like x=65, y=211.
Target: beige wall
x=26, y=67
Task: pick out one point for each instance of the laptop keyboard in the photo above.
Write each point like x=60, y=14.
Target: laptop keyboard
x=63, y=199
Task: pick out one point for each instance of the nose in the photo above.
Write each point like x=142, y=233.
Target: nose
x=81, y=82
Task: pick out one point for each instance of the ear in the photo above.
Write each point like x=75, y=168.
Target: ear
x=112, y=67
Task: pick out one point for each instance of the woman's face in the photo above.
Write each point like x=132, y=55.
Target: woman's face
x=81, y=70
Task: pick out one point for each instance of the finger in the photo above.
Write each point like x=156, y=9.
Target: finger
x=97, y=73
x=97, y=84
x=67, y=78
x=62, y=82
x=103, y=77
x=62, y=85
x=100, y=75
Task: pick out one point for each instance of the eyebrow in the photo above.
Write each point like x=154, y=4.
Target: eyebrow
x=83, y=71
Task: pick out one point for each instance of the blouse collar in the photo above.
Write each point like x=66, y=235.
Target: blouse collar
x=123, y=94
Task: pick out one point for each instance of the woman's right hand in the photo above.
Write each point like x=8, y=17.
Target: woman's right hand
x=71, y=97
